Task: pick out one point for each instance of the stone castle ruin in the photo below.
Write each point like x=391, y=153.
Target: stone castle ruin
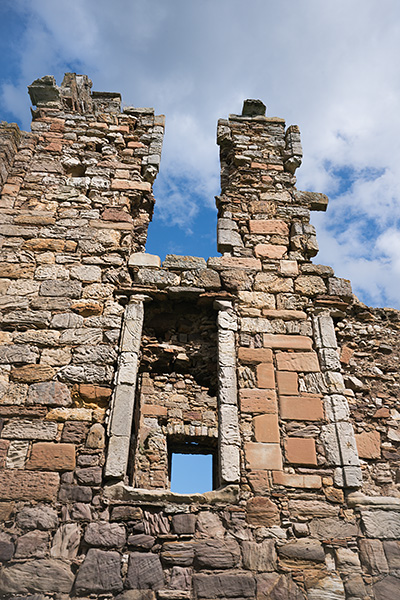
x=111, y=362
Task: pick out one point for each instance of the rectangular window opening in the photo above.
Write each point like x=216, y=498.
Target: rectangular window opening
x=192, y=468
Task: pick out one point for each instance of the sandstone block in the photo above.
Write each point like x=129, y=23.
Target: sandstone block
x=309, y=285
x=236, y=585
x=96, y=437
x=105, y=534
x=64, y=289
x=262, y=512
x=100, y=572
x=273, y=252
x=258, y=401
x=265, y=376
x=305, y=550
x=287, y=382
x=32, y=544
x=369, y=444
x=21, y=429
x=312, y=508
x=269, y=282
x=184, y=523
x=37, y=517
x=32, y=373
x=178, y=553
x=215, y=554
x=301, y=408
x=6, y=548
x=52, y=457
x=49, y=393
x=66, y=541
x=183, y=263
x=259, y=556
x=231, y=262
x=74, y=432
x=387, y=588
x=255, y=355
x=297, y=481
x=300, y=451
x=381, y=524
x=332, y=528
x=273, y=586
x=75, y=493
x=263, y=456
x=89, y=475
x=283, y=342
x=144, y=572
x=16, y=454
x=306, y=362
x=270, y=226
x=209, y=525
x=266, y=428
x=45, y=575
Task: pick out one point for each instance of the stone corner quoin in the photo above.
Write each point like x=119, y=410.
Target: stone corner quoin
x=111, y=361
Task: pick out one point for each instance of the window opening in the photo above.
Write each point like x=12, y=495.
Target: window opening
x=192, y=468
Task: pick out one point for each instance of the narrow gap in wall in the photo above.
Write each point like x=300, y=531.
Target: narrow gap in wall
x=192, y=470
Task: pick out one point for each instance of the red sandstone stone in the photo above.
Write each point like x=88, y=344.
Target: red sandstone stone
x=259, y=481
x=154, y=410
x=87, y=308
x=49, y=456
x=301, y=408
x=32, y=373
x=265, y=376
x=125, y=184
x=266, y=428
x=261, y=456
x=258, y=401
x=283, y=342
x=297, y=481
x=255, y=355
x=369, y=444
x=345, y=355
x=28, y=485
x=93, y=393
x=301, y=451
x=3, y=452
x=287, y=383
x=262, y=512
x=306, y=362
x=269, y=226
x=273, y=251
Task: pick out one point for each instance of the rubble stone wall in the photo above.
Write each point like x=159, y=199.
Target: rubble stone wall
x=109, y=360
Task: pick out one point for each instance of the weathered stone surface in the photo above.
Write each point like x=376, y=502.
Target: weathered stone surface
x=369, y=444
x=330, y=528
x=328, y=588
x=96, y=437
x=66, y=541
x=273, y=586
x=260, y=455
x=105, y=534
x=178, y=553
x=262, y=512
x=259, y=556
x=75, y=493
x=209, y=525
x=52, y=457
x=183, y=263
x=387, y=588
x=238, y=585
x=89, y=475
x=144, y=572
x=141, y=540
x=381, y=524
x=37, y=517
x=32, y=373
x=306, y=362
x=16, y=454
x=312, y=508
x=184, y=523
x=126, y=513
x=214, y=554
x=28, y=485
x=49, y=393
x=63, y=289
x=29, y=430
x=100, y=572
x=44, y=575
x=74, y=432
x=302, y=550
x=32, y=544
x=6, y=548
x=392, y=551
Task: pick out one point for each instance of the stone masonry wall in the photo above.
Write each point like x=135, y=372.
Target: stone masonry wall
x=109, y=360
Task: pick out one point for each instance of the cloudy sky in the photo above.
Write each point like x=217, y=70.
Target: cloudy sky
x=329, y=66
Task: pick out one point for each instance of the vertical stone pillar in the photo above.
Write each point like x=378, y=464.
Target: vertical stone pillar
x=229, y=436
x=123, y=403
x=338, y=435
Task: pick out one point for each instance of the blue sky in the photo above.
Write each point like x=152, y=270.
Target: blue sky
x=331, y=67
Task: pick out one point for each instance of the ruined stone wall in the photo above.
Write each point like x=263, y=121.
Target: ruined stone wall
x=110, y=360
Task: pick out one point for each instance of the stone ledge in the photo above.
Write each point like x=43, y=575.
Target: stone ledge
x=119, y=491
x=359, y=500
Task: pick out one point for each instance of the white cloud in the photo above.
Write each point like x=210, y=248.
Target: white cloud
x=328, y=66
